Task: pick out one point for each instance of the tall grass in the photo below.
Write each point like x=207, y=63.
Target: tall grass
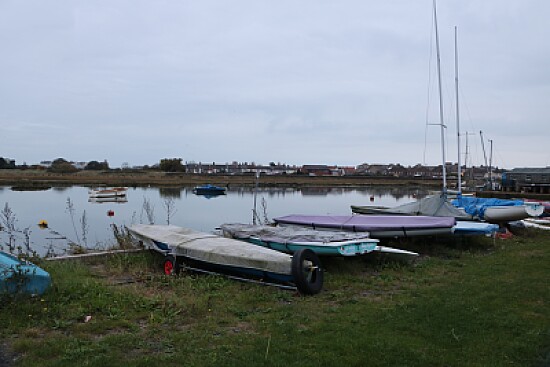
x=480, y=303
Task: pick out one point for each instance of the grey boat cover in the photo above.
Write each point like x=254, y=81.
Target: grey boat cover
x=213, y=249
x=437, y=206
x=290, y=234
x=370, y=223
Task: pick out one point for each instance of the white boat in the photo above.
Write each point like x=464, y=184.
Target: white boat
x=208, y=252
x=378, y=226
x=503, y=214
x=292, y=239
x=107, y=193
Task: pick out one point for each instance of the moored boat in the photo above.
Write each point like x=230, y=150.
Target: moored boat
x=209, y=252
x=292, y=239
x=379, y=226
x=20, y=276
x=209, y=189
x=107, y=193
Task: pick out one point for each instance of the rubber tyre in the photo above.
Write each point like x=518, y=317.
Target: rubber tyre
x=307, y=272
x=170, y=266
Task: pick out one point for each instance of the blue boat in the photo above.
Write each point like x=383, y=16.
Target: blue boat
x=209, y=190
x=20, y=276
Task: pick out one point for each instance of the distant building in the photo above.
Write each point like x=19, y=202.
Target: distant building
x=316, y=170
x=535, y=180
x=7, y=163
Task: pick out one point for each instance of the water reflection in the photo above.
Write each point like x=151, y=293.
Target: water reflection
x=188, y=210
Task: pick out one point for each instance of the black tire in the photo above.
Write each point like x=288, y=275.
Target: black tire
x=170, y=265
x=307, y=272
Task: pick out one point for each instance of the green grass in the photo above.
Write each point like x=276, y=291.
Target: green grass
x=479, y=303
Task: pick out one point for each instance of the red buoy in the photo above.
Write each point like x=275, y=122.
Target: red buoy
x=110, y=213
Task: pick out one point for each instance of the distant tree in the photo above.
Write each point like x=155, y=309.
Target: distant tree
x=97, y=166
x=171, y=165
x=60, y=165
x=6, y=163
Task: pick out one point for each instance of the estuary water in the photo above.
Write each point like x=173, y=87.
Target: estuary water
x=72, y=217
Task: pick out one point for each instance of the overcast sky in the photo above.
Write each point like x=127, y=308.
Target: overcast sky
x=297, y=82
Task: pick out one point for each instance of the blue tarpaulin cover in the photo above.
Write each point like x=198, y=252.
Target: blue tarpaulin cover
x=477, y=206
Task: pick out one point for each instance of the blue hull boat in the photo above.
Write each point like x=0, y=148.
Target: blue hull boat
x=19, y=276
x=209, y=190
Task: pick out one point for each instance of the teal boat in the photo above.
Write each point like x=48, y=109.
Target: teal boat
x=323, y=243
x=20, y=276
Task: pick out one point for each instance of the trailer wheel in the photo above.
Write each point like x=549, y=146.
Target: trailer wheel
x=307, y=272
x=170, y=266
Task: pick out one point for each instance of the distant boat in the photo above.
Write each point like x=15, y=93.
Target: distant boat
x=19, y=276
x=108, y=199
x=290, y=240
x=107, y=193
x=209, y=189
x=211, y=253
x=379, y=226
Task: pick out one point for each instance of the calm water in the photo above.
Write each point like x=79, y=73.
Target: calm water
x=189, y=210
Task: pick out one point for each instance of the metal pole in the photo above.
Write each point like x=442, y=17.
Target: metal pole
x=491, y=165
x=440, y=102
x=457, y=115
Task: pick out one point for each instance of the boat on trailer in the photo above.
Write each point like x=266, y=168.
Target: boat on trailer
x=292, y=239
x=20, y=276
x=379, y=226
x=205, y=252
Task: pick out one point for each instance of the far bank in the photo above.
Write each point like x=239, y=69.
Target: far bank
x=36, y=178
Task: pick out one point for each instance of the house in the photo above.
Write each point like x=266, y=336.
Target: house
x=535, y=180
x=316, y=170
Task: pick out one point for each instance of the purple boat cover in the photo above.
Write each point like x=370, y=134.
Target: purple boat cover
x=368, y=222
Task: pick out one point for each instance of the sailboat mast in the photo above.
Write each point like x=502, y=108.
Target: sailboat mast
x=457, y=115
x=442, y=125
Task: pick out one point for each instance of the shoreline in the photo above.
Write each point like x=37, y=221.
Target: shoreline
x=38, y=179
x=27, y=180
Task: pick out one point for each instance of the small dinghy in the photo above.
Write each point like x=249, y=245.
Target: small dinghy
x=292, y=239
x=379, y=226
x=20, y=276
x=211, y=253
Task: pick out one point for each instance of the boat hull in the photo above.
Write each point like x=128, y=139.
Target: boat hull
x=323, y=243
x=17, y=276
x=502, y=214
x=378, y=226
x=116, y=192
x=232, y=257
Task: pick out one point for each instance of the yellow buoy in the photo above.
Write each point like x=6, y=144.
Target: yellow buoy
x=43, y=224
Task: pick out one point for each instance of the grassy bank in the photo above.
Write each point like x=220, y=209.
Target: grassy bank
x=39, y=179
x=480, y=303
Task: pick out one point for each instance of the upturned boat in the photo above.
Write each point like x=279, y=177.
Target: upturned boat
x=20, y=276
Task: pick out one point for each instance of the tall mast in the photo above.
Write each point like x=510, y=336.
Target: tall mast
x=457, y=116
x=442, y=125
